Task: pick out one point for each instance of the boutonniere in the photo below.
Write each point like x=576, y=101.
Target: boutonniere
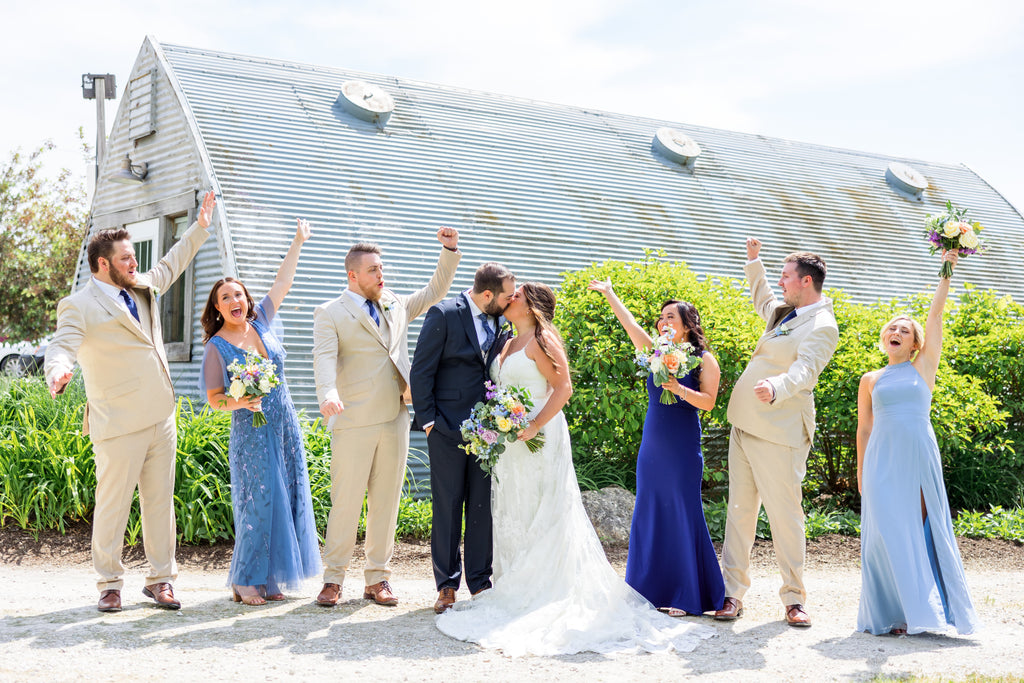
x=154, y=292
x=386, y=305
x=506, y=328
x=781, y=330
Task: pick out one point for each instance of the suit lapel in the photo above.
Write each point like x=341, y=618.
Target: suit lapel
x=122, y=315
x=362, y=316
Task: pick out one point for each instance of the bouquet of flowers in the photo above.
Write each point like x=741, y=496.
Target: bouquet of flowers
x=256, y=376
x=950, y=230
x=665, y=359
x=495, y=422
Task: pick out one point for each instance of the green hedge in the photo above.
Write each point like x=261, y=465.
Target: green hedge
x=977, y=411
x=48, y=477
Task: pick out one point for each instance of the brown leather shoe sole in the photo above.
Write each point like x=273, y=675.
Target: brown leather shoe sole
x=375, y=595
x=727, y=614
x=164, y=604
x=800, y=620
x=110, y=601
x=445, y=600
x=324, y=599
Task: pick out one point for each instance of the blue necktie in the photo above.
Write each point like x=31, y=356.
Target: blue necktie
x=486, y=345
x=792, y=314
x=132, y=308
x=372, y=310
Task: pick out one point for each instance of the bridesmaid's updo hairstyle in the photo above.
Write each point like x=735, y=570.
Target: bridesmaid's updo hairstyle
x=914, y=325
x=211, y=319
x=540, y=301
x=694, y=330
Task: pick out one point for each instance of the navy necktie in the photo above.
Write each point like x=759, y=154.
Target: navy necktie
x=792, y=314
x=130, y=303
x=486, y=345
x=372, y=310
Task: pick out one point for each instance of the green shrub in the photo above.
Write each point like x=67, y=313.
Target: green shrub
x=48, y=476
x=977, y=408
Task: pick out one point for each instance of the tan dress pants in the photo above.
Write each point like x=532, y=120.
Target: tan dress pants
x=762, y=471
x=145, y=460
x=366, y=461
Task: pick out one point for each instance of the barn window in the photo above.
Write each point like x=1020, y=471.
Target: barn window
x=142, y=105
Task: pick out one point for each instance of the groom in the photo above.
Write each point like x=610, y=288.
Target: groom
x=460, y=338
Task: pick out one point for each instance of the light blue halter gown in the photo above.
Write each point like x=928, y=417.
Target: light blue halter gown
x=912, y=576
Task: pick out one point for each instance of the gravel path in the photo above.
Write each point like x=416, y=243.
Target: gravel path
x=50, y=630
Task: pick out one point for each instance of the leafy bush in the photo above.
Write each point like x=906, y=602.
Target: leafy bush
x=48, y=476
x=977, y=408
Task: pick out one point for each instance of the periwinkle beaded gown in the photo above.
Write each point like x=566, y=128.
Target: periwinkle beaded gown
x=275, y=533
x=912, y=576
x=554, y=591
x=672, y=561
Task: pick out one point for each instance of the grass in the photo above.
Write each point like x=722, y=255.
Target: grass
x=48, y=478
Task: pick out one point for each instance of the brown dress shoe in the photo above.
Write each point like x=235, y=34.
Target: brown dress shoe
x=732, y=609
x=110, y=601
x=163, y=594
x=329, y=596
x=381, y=594
x=445, y=599
x=796, y=616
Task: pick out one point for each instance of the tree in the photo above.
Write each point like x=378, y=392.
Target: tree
x=42, y=227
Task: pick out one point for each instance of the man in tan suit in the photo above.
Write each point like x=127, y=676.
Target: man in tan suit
x=361, y=366
x=772, y=414
x=111, y=327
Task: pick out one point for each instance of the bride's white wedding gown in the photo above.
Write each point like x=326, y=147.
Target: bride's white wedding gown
x=554, y=591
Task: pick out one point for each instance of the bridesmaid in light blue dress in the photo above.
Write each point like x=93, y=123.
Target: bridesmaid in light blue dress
x=912, y=577
x=275, y=534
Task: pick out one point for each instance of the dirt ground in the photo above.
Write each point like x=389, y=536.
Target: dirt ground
x=50, y=629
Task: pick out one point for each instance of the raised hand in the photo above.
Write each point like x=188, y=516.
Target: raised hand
x=302, y=230
x=603, y=286
x=448, y=237
x=753, y=248
x=951, y=257
x=206, y=210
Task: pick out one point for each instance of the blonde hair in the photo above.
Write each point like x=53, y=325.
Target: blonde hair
x=916, y=326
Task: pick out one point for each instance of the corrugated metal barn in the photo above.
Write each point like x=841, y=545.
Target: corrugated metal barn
x=544, y=188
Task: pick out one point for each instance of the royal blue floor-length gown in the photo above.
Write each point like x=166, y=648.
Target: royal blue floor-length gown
x=275, y=533
x=672, y=561
x=912, y=576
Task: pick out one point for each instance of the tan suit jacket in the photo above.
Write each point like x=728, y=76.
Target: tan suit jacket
x=790, y=360
x=127, y=379
x=364, y=366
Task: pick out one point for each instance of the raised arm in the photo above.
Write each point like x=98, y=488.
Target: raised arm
x=286, y=273
x=556, y=372
x=927, y=361
x=637, y=334
x=418, y=302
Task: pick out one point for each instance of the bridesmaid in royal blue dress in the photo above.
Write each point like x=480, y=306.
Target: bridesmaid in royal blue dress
x=672, y=561
x=275, y=535
x=912, y=577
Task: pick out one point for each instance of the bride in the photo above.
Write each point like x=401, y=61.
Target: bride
x=554, y=591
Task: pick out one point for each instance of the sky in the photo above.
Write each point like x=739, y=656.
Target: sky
x=938, y=81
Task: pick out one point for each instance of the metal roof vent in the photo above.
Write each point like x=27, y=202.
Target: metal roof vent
x=366, y=101
x=908, y=181
x=676, y=146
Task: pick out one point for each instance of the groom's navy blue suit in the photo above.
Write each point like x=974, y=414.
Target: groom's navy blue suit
x=447, y=380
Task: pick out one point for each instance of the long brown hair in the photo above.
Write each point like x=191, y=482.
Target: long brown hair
x=540, y=301
x=695, y=332
x=211, y=319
